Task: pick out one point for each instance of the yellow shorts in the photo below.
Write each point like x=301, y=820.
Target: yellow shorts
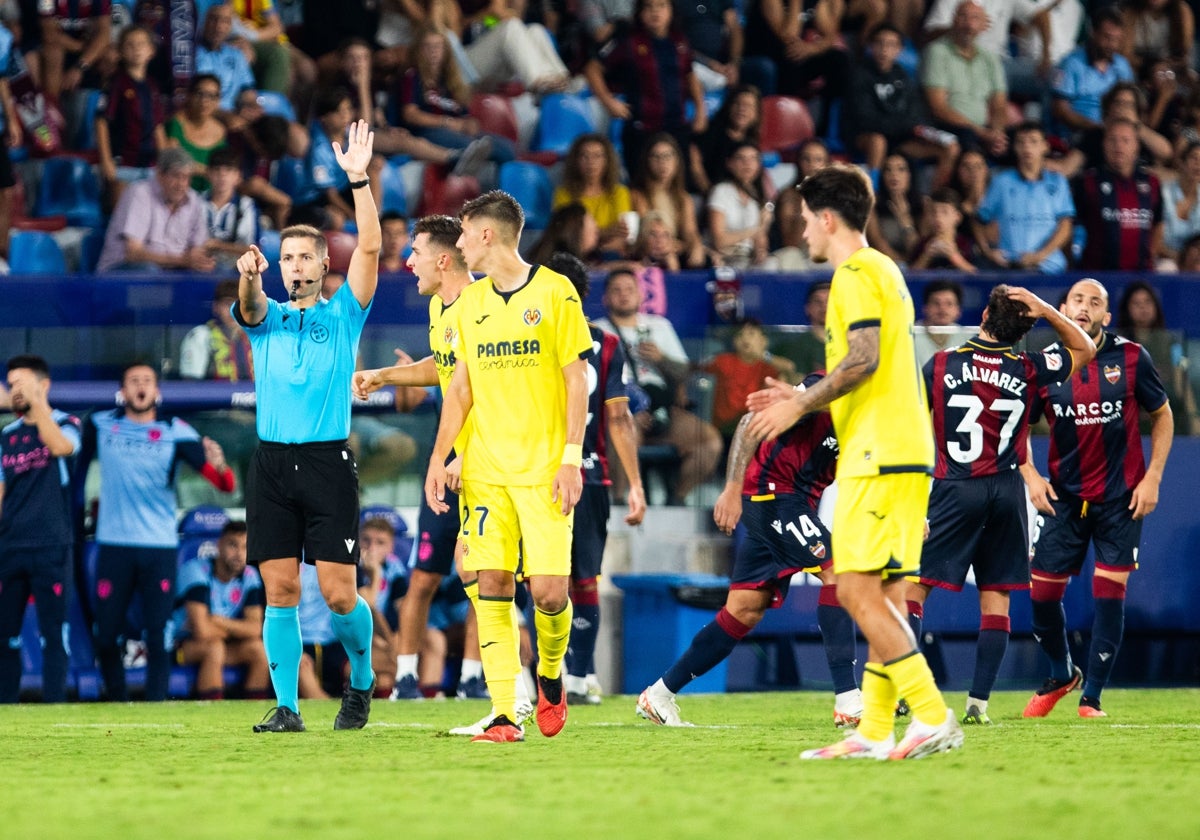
x=501, y=525
x=879, y=524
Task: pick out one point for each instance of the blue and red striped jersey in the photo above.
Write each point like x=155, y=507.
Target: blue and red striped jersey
x=801, y=462
x=1118, y=215
x=981, y=395
x=605, y=385
x=1095, y=447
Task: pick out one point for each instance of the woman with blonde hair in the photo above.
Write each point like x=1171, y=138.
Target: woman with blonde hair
x=435, y=101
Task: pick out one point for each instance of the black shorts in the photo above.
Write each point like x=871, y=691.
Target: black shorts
x=590, y=532
x=783, y=536
x=329, y=662
x=979, y=523
x=302, y=501
x=1061, y=541
x=433, y=550
x=7, y=179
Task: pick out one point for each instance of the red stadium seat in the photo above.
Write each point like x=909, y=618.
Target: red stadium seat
x=786, y=123
x=446, y=194
x=341, y=246
x=495, y=114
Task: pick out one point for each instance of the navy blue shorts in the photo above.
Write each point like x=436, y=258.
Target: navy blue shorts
x=783, y=536
x=302, y=501
x=590, y=532
x=433, y=550
x=1061, y=540
x=979, y=523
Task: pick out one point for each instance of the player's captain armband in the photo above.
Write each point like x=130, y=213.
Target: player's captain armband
x=573, y=454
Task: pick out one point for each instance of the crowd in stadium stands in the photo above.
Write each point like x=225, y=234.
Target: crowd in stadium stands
x=1031, y=134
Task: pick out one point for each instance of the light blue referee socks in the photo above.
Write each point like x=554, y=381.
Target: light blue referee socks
x=281, y=638
x=355, y=630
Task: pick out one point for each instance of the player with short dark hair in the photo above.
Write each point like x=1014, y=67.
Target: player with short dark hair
x=1100, y=491
x=36, y=535
x=773, y=487
x=522, y=345
x=879, y=411
x=135, y=529
x=220, y=617
x=981, y=395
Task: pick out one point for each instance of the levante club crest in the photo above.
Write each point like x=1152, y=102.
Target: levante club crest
x=1112, y=373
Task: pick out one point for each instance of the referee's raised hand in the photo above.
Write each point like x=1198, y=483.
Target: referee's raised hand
x=359, y=142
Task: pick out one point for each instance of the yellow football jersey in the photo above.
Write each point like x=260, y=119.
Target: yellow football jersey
x=515, y=346
x=883, y=425
x=441, y=345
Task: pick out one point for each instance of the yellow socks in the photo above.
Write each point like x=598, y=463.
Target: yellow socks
x=912, y=679
x=553, y=635
x=501, y=659
x=879, y=703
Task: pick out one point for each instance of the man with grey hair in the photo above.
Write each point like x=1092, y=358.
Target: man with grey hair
x=159, y=222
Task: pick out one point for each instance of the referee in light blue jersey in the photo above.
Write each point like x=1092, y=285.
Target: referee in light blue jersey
x=302, y=485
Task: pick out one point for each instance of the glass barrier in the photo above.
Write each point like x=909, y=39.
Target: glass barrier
x=683, y=459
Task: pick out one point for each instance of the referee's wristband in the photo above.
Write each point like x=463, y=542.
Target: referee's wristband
x=357, y=185
x=573, y=455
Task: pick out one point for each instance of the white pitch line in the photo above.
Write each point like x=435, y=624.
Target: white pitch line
x=386, y=725
x=118, y=725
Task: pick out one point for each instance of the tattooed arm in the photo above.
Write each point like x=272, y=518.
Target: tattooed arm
x=728, y=509
x=860, y=361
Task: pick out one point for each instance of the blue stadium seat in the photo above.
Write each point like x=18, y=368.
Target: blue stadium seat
x=289, y=175
x=393, y=188
x=530, y=185
x=563, y=118
x=276, y=104
x=35, y=252
x=268, y=243
x=85, y=135
x=69, y=188
x=31, y=651
x=89, y=250
x=404, y=541
x=198, y=532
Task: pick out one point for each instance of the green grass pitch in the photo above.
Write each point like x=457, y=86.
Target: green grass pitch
x=195, y=770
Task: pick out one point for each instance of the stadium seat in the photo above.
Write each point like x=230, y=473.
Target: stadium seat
x=495, y=114
x=85, y=134
x=20, y=203
x=564, y=117
x=289, y=176
x=786, y=123
x=446, y=194
x=530, y=185
x=89, y=250
x=276, y=104
x=34, y=252
x=385, y=512
x=70, y=188
x=341, y=248
x=268, y=243
x=198, y=532
x=392, y=182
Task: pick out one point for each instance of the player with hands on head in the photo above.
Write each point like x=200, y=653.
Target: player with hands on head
x=981, y=396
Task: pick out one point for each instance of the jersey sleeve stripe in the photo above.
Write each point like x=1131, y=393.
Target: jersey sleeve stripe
x=864, y=324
